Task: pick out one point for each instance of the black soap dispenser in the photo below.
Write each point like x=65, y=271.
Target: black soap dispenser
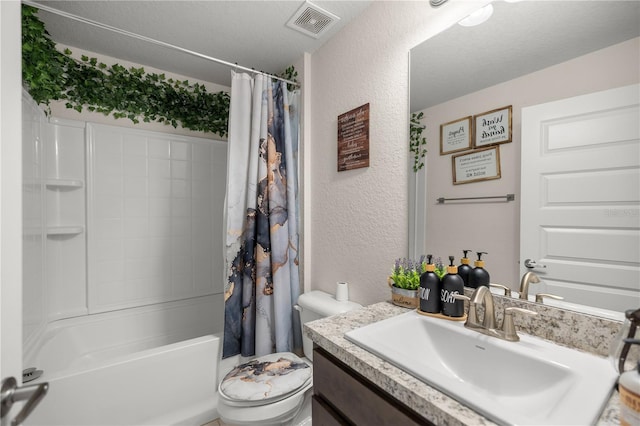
x=452, y=284
x=430, y=289
x=479, y=276
x=465, y=269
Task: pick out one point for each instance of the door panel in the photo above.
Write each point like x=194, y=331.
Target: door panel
x=10, y=192
x=580, y=214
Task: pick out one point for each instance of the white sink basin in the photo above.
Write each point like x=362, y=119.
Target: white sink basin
x=530, y=382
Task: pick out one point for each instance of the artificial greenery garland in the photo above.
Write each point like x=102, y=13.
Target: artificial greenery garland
x=417, y=142
x=49, y=74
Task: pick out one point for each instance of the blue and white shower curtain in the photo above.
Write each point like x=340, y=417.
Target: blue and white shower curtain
x=263, y=283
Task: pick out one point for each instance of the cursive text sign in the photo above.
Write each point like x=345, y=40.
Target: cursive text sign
x=455, y=136
x=493, y=127
x=353, y=139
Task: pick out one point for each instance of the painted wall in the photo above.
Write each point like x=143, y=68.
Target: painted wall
x=358, y=219
x=494, y=227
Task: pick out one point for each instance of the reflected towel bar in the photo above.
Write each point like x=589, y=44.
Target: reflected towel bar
x=508, y=197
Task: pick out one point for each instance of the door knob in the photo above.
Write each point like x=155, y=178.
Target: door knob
x=530, y=263
x=11, y=392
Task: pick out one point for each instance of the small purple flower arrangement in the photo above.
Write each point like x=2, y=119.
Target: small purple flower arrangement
x=406, y=272
x=441, y=270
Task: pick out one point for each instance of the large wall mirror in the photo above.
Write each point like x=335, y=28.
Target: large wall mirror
x=527, y=53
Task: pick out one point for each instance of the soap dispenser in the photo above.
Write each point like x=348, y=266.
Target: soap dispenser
x=479, y=276
x=465, y=269
x=430, y=289
x=619, y=349
x=629, y=387
x=452, y=284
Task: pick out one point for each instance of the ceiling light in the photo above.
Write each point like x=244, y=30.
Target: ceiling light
x=477, y=17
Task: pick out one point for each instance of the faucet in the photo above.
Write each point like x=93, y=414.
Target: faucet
x=528, y=278
x=482, y=296
x=507, y=290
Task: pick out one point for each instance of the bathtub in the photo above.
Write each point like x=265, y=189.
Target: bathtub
x=146, y=366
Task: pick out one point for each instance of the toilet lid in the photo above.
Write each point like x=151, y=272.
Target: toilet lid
x=266, y=379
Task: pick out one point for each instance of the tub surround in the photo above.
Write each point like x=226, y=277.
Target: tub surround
x=551, y=323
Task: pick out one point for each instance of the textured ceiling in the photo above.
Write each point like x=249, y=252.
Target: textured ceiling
x=251, y=33
x=518, y=39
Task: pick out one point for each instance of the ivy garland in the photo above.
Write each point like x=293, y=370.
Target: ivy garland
x=417, y=142
x=49, y=74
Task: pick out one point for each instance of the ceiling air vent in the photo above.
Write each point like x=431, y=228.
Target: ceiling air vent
x=312, y=20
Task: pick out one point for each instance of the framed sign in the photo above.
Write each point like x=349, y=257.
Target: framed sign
x=477, y=165
x=353, y=139
x=492, y=127
x=455, y=136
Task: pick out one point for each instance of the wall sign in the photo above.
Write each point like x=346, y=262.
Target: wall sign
x=492, y=127
x=478, y=165
x=353, y=139
x=455, y=136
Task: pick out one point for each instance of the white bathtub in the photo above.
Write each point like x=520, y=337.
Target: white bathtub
x=132, y=367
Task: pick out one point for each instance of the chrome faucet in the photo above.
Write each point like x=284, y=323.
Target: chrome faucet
x=528, y=278
x=482, y=296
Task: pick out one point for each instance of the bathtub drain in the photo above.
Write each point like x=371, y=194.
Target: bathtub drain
x=30, y=374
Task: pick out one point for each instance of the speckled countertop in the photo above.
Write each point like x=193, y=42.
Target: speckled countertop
x=435, y=406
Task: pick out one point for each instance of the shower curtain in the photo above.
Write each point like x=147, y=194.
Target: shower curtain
x=262, y=283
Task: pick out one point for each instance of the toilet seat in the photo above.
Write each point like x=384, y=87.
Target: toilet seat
x=268, y=414
x=269, y=387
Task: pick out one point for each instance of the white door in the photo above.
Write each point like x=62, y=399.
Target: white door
x=10, y=201
x=580, y=205
x=10, y=192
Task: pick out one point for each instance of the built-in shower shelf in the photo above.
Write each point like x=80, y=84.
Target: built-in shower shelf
x=64, y=230
x=64, y=184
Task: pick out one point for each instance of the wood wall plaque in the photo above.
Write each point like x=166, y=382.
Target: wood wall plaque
x=477, y=165
x=353, y=139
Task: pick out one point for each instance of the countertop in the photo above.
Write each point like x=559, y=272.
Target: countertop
x=435, y=406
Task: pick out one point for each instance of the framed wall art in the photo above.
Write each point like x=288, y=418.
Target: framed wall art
x=353, y=139
x=477, y=165
x=492, y=127
x=455, y=136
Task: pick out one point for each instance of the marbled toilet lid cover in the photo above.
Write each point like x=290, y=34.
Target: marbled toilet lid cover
x=266, y=377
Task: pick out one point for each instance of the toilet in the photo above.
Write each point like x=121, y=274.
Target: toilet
x=276, y=389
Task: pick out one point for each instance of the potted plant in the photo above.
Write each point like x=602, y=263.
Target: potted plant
x=405, y=281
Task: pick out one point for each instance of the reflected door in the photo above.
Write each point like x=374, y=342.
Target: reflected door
x=580, y=215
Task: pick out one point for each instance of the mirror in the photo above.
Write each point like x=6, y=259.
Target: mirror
x=519, y=39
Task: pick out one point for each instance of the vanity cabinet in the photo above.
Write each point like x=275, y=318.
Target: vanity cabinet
x=342, y=396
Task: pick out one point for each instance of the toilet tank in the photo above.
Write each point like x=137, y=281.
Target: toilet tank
x=317, y=304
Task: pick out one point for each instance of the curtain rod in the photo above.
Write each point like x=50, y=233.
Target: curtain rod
x=150, y=40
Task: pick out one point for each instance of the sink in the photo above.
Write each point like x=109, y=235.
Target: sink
x=530, y=382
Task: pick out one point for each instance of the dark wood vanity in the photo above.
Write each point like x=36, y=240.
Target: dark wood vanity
x=353, y=386
x=342, y=396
